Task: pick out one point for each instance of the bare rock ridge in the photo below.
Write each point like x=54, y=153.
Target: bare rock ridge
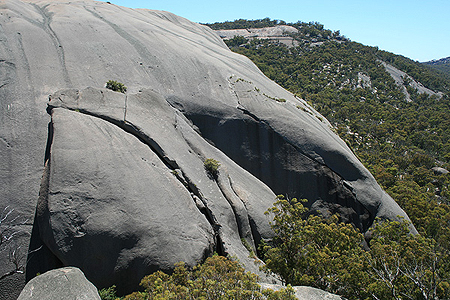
x=120, y=178
x=279, y=33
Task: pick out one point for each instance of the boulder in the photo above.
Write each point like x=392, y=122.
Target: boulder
x=60, y=284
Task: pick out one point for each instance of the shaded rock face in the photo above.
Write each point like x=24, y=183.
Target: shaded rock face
x=60, y=284
x=124, y=191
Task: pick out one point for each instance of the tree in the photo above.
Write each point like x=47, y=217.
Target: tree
x=310, y=250
x=307, y=250
x=212, y=167
x=406, y=266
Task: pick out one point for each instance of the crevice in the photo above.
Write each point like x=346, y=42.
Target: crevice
x=203, y=208
x=238, y=208
x=47, y=19
x=131, y=129
x=40, y=258
x=49, y=142
x=169, y=163
x=125, y=107
x=254, y=230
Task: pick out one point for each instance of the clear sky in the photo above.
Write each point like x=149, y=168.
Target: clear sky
x=418, y=29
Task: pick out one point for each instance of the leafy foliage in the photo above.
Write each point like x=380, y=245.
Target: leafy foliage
x=403, y=266
x=308, y=250
x=108, y=293
x=218, y=278
x=212, y=167
x=116, y=86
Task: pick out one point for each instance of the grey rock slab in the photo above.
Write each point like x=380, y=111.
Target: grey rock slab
x=399, y=77
x=60, y=284
x=439, y=171
x=113, y=208
x=292, y=149
x=234, y=203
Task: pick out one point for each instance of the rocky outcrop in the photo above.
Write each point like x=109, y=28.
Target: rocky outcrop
x=124, y=190
x=60, y=284
x=403, y=80
x=279, y=34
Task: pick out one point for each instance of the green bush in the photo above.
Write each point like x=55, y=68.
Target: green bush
x=108, y=293
x=327, y=254
x=116, y=86
x=217, y=278
x=212, y=167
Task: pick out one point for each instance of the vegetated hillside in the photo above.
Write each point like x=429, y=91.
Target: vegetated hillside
x=442, y=65
x=397, y=122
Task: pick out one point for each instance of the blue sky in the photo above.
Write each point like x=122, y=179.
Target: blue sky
x=418, y=29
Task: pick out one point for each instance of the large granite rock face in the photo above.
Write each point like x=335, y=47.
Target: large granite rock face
x=124, y=191
x=60, y=284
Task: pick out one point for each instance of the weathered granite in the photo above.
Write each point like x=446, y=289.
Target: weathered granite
x=60, y=284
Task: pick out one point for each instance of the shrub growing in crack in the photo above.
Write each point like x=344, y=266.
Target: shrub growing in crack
x=116, y=86
x=212, y=167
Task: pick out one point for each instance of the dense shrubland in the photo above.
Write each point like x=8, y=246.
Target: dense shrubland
x=334, y=256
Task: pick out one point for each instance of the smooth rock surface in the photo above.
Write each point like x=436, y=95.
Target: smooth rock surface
x=60, y=284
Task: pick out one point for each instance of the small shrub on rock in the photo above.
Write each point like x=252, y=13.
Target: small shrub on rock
x=212, y=167
x=116, y=86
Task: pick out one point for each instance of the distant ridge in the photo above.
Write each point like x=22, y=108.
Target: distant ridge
x=442, y=64
x=441, y=61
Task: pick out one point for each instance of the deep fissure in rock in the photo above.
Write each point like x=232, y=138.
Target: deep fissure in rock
x=170, y=164
x=40, y=258
x=259, y=149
